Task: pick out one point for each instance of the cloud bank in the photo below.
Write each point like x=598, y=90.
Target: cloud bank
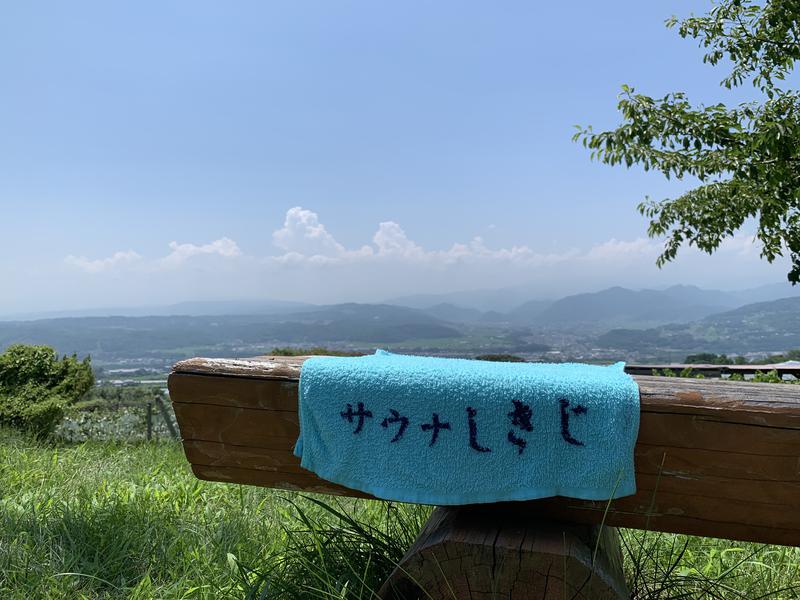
x=310, y=264
x=99, y=265
x=304, y=240
x=180, y=253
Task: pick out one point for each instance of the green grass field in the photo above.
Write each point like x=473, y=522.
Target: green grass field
x=109, y=520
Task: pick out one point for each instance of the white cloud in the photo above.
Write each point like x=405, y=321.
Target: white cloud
x=615, y=249
x=742, y=245
x=307, y=242
x=102, y=264
x=302, y=233
x=391, y=240
x=312, y=265
x=180, y=253
x=477, y=251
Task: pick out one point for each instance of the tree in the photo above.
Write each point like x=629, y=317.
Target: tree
x=500, y=358
x=708, y=358
x=36, y=385
x=746, y=157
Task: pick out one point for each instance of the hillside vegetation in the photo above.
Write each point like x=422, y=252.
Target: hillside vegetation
x=36, y=385
x=764, y=326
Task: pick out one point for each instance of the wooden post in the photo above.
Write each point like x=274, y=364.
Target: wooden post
x=483, y=552
x=149, y=420
x=165, y=415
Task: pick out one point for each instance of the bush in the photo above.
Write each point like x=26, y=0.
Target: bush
x=500, y=358
x=768, y=377
x=315, y=351
x=36, y=385
x=32, y=407
x=707, y=358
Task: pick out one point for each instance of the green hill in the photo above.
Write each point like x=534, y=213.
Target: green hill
x=760, y=327
x=110, y=338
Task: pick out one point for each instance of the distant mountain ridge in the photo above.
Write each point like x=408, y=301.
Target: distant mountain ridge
x=772, y=326
x=188, y=308
x=506, y=300
x=112, y=336
x=499, y=300
x=519, y=305
x=611, y=307
x=682, y=318
x=455, y=314
x=617, y=305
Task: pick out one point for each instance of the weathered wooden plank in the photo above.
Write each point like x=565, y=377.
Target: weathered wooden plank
x=650, y=460
x=688, y=462
x=269, y=367
x=662, y=394
x=288, y=368
x=300, y=482
x=649, y=480
x=713, y=458
x=259, y=427
x=626, y=512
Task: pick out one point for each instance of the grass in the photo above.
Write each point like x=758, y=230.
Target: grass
x=110, y=520
x=106, y=520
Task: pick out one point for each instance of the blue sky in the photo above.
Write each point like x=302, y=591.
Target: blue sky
x=163, y=151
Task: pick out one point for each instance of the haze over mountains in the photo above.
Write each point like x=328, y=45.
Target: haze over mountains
x=760, y=327
x=524, y=304
x=191, y=308
x=614, y=307
x=509, y=299
x=615, y=322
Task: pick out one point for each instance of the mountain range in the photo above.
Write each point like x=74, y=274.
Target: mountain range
x=113, y=337
x=678, y=318
x=191, y=309
x=614, y=307
x=507, y=300
x=760, y=327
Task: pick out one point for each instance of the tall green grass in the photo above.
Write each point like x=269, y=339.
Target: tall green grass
x=106, y=520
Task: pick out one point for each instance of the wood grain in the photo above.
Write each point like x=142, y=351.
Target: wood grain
x=715, y=458
x=474, y=553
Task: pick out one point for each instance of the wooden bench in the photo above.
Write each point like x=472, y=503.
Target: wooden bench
x=713, y=458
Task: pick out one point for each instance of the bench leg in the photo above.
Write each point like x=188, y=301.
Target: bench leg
x=487, y=552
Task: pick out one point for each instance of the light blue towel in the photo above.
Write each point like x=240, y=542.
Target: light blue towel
x=455, y=431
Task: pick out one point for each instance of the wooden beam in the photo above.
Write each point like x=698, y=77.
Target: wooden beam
x=479, y=552
x=713, y=458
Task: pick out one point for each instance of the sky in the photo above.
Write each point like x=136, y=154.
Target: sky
x=157, y=152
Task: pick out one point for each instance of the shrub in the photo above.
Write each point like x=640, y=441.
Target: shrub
x=36, y=385
x=32, y=407
x=315, y=351
x=707, y=358
x=500, y=358
x=768, y=377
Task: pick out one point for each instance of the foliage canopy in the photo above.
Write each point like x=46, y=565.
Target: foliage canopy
x=36, y=385
x=746, y=157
